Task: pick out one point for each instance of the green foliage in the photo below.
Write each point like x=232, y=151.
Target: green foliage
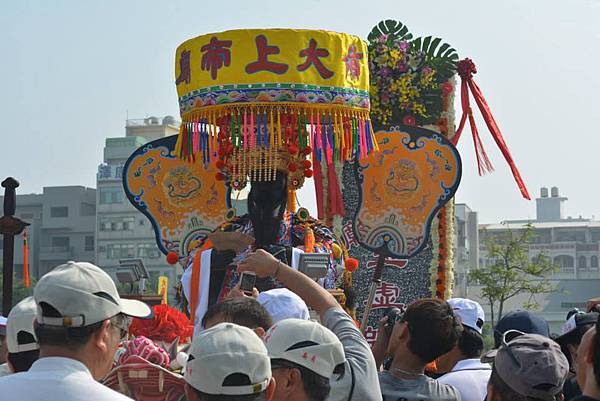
x=19, y=290
x=394, y=30
x=442, y=58
x=407, y=76
x=513, y=273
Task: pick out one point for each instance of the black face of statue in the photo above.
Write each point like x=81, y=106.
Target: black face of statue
x=266, y=203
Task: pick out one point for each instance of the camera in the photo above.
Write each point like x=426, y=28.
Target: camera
x=247, y=281
x=393, y=314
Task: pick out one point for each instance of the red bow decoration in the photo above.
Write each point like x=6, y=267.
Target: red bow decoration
x=466, y=68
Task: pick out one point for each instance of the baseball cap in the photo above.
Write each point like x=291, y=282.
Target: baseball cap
x=470, y=313
x=532, y=365
x=520, y=320
x=20, y=336
x=305, y=343
x=575, y=321
x=83, y=294
x=282, y=303
x=2, y=325
x=223, y=350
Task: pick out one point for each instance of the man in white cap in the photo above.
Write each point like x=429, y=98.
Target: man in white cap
x=21, y=342
x=79, y=323
x=304, y=355
x=465, y=370
x=228, y=362
x=359, y=381
x=281, y=304
x=4, y=370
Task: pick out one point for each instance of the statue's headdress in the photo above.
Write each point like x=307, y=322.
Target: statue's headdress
x=260, y=100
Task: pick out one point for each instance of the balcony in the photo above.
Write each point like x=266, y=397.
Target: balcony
x=62, y=253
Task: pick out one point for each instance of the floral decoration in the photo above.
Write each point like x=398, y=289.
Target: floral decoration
x=409, y=77
x=168, y=324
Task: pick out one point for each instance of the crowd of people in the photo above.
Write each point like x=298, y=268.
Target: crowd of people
x=60, y=343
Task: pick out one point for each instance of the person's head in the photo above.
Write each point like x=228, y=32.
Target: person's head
x=228, y=363
x=21, y=342
x=588, y=360
x=523, y=321
x=81, y=316
x=530, y=367
x=282, y=303
x=572, y=332
x=304, y=356
x=243, y=311
x=470, y=343
x=427, y=330
x=267, y=201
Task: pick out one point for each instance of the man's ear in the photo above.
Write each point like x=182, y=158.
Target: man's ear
x=492, y=394
x=295, y=379
x=101, y=338
x=260, y=332
x=270, y=392
x=589, y=356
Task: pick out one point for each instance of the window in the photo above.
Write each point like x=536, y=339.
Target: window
x=89, y=243
x=87, y=209
x=119, y=251
x=117, y=223
x=59, y=211
x=564, y=261
x=594, y=261
x=110, y=195
x=582, y=263
x=148, y=251
x=60, y=242
x=570, y=236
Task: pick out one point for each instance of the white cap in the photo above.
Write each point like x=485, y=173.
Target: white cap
x=83, y=294
x=223, y=350
x=281, y=304
x=305, y=343
x=2, y=325
x=470, y=313
x=20, y=324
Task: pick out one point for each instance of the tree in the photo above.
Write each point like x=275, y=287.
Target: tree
x=20, y=292
x=513, y=272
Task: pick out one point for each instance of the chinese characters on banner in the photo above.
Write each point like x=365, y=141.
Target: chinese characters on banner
x=387, y=296
x=244, y=57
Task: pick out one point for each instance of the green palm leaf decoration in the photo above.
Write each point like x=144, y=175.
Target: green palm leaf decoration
x=442, y=58
x=394, y=30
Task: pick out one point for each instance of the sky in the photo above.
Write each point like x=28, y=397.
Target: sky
x=72, y=71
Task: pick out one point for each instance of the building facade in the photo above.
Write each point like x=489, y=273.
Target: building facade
x=121, y=230
x=573, y=244
x=62, y=228
x=466, y=247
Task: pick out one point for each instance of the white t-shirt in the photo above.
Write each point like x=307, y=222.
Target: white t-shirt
x=470, y=377
x=54, y=378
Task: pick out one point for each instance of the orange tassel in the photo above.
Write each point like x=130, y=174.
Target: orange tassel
x=309, y=240
x=291, y=201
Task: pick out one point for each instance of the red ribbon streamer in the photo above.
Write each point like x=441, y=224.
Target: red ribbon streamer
x=466, y=68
